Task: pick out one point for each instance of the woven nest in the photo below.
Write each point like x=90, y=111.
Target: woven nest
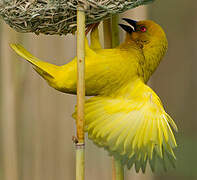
x=59, y=16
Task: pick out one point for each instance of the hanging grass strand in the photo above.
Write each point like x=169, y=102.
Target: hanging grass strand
x=80, y=146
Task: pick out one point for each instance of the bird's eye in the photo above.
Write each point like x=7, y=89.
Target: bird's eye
x=143, y=29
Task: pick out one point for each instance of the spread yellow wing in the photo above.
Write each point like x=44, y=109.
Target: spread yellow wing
x=135, y=129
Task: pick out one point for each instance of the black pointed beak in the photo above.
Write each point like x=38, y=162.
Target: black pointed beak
x=131, y=22
x=126, y=28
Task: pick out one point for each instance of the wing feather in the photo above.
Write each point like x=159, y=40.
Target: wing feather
x=135, y=129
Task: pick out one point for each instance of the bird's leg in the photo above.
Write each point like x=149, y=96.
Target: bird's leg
x=90, y=27
x=94, y=36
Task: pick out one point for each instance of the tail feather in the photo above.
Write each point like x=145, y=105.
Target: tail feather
x=45, y=69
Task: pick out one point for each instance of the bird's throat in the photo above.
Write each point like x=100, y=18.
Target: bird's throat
x=153, y=53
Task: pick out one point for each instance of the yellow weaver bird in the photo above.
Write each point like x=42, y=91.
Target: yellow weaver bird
x=126, y=117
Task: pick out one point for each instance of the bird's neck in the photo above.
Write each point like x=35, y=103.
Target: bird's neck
x=153, y=53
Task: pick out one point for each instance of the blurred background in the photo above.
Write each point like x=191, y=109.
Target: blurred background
x=36, y=127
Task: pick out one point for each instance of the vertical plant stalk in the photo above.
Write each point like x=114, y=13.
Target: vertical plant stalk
x=113, y=169
x=80, y=145
x=115, y=30
x=111, y=40
x=119, y=169
x=107, y=33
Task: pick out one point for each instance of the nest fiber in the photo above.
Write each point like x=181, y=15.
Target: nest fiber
x=59, y=16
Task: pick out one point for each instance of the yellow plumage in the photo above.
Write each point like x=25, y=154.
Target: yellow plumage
x=126, y=117
x=134, y=127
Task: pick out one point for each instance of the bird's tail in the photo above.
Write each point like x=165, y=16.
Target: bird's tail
x=134, y=129
x=46, y=70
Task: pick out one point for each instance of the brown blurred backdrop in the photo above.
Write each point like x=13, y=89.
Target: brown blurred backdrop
x=36, y=127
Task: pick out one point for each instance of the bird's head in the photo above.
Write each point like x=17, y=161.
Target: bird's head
x=150, y=38
x=144, y=32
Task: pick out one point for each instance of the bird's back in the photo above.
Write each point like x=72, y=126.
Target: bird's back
x=106, y=70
